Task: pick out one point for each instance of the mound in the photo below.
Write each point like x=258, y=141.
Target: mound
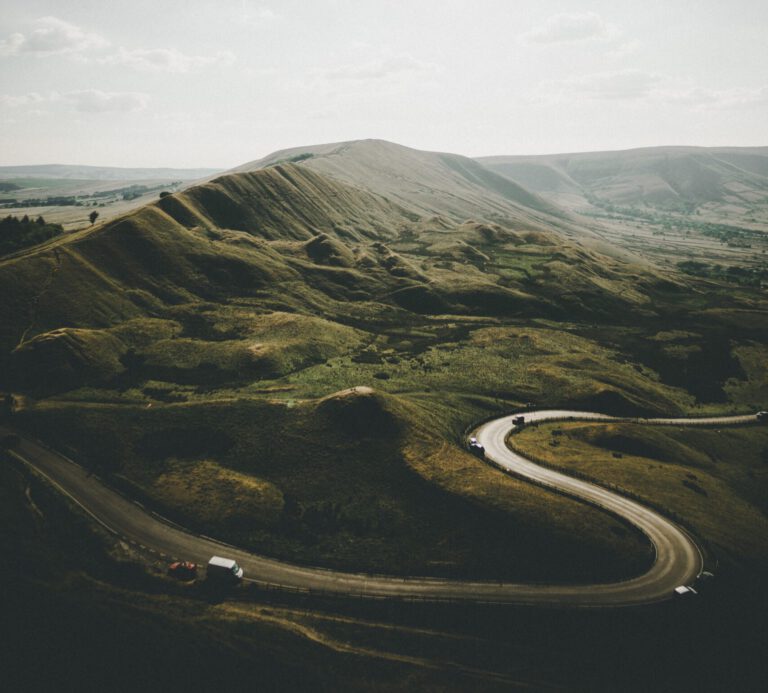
x=210, y=493
x=67, y=358
x=608, y=401
x=325, y=250
x=361, y=412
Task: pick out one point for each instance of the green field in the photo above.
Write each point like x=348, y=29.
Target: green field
x=714, y=480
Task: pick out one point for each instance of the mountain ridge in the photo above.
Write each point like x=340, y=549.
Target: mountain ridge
x=424, y=182
x=674, y=178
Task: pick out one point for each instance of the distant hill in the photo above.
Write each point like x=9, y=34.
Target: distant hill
x=426, y=183
x=670, y=178
x=106, y=173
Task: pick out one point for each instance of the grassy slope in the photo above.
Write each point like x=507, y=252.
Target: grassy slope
x=657, y=176
x=342, y=482
x=72, y=602
x=714, y=479
x=426, y=183
x=258, y=294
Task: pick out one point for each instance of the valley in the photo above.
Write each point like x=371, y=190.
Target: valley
x=287, y=357
x=703, y=209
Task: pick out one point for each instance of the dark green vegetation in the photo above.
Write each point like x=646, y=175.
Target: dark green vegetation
x=286, y=357
x=714, y=480
x=340, y=482
x=79, y=614
x=16, y=234
x=191, y=350
x=733, y=274
x=75, y=600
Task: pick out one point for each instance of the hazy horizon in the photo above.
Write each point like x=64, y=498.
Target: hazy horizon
x=193, y=84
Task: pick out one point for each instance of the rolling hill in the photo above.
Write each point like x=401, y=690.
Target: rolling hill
x=339, y=303
x=426, y=183
x=103, y=173
x=667, y=178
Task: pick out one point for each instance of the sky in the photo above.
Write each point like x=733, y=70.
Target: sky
x=204, y=83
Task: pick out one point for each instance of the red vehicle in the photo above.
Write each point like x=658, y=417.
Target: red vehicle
x=183, y=570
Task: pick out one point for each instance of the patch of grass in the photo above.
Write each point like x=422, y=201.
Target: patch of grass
x=715, y=480
x=360, y=488
x=753, y=390
x=102, y=623
x=515, y=364
x=213, y=495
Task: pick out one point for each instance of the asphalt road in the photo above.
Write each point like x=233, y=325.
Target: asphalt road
x=678, y=559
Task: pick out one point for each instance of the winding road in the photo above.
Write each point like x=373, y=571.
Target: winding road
x=678, y=559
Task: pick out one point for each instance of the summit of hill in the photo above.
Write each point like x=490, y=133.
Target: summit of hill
x=423, y=182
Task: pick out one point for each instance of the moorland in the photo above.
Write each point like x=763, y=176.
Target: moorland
x=287, y=356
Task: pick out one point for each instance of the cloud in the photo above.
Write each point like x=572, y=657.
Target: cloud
x=19, y=100
x=85, y=101
x=704, y=98
x=96, y=101
x=166, y=59
x=624, y=49
x=12, y=44
x=51, y=36
x=637, y=85
x=379, y=69
x=572, y=27
x=620, y=84
x=256, y=14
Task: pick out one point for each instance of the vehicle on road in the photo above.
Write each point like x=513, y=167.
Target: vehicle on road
x=518, y=420
x=183, y=570
x=762, y=416
x=476, y=448
x=685, y=591
x=224, y=570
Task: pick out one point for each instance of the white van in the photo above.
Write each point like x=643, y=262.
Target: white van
x=224, y=569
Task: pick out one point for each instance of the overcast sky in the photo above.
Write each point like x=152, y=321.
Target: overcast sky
x=217, y=83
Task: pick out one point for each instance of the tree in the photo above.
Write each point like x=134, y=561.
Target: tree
x=93, y=216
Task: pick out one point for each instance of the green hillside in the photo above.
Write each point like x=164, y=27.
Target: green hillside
x=664, y=177
x=315, y=347
x=423, y=182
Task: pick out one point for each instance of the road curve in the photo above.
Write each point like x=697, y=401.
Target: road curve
x=678, y=559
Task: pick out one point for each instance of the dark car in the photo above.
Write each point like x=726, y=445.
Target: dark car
x=476, y=448
x=183, y=570
x=762, y=416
